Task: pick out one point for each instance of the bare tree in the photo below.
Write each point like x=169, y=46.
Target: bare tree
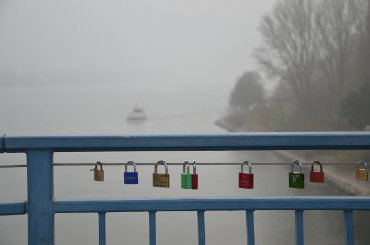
x=363, y=52
x=288, y=49
x=356, y=105
x=311, y=46
x=338, y=25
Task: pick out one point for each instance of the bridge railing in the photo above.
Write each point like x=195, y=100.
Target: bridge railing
x=41, y=205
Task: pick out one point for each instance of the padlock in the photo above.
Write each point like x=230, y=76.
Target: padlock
x=98, y=174
x=161, y=180
x=130, y=177
x=317, y=176
x=362, y=174
x=296, y=180
x=246, y=180
x=185, y=176
x=194, y=177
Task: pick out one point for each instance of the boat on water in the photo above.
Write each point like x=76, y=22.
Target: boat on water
x=137, y=115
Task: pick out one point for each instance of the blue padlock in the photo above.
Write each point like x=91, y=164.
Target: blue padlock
x=130, y=177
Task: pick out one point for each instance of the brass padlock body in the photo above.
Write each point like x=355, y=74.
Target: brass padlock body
x=161, y=180
x=361, y=174
x=98, y=175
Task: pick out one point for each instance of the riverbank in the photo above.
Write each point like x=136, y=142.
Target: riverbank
x=341, y=177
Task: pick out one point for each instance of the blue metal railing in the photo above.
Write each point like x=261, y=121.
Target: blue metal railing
x=41, y=205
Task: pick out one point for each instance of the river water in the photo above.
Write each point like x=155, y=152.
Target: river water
x=102, y=109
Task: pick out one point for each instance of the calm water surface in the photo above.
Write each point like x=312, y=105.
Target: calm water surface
x=102, y=109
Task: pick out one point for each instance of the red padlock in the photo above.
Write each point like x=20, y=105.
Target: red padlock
x=246, y=180
x=317, y=176
x=194, y=178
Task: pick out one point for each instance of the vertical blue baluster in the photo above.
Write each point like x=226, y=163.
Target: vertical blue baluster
x=250, y=227
x=201, y=228
x=40, y=192
x=102, y=233
x=348, y=227
x=299, y=237
x=152, y=228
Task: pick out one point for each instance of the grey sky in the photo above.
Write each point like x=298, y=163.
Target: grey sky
x=138, y=40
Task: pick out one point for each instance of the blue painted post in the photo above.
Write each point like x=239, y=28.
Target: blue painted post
x=201, y=228
x=152, y=228
x=250, y=227
x=299, y=237
x=348, y=227
x=102, y=234
x=40, y=191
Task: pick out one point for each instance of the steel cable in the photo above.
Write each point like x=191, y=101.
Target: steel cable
x=170, y=163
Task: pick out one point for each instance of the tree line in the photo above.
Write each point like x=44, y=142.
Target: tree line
x=319, y=52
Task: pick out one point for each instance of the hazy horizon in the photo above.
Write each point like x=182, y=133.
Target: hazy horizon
x=122, y=41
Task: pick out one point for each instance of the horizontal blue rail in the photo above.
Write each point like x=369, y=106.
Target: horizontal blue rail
x=12, y=208
x=212, y=204
x=41, y=205
x=208, y=142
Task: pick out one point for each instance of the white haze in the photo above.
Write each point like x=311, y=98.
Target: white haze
x=178, y=45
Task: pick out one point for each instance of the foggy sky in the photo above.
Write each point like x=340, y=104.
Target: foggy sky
x=137, y=40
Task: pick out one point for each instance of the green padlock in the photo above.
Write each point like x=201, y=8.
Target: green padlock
x=296, y=180
x=186, y=178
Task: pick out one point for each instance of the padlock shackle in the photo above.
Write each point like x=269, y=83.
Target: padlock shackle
x=250, y=166
x=319, y=163
x=98, y=163
x=194, y=167
x=130, y=162
x=161, y=162
x=188, y=167
x=363, y=163
x=300, y=166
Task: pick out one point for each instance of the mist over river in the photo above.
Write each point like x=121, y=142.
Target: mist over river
x=102, y=109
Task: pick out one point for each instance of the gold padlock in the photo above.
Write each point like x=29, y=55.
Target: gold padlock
x=98, y=174
x=361, y=174
x=161, y=180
